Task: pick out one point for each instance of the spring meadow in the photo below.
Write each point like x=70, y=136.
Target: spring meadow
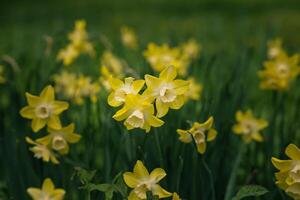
x=148, y=100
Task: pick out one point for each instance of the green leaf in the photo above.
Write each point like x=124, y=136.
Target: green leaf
x=250, y=191
x=108, y=189
x=84, y=175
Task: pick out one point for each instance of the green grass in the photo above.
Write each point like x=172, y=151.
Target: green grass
x=234, y=47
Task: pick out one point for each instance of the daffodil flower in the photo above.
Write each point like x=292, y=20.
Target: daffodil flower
x=47, y=192
x=58, y=139
x=121, y=89
x=68, y=54
x=128, y=37
x=249, y=127
x=201, y=133
x=275, y=48
x=138, y=112
x=112, y=63
x=142, y=182
x=43, y=109
x=175, y=196
x=191, y=49
x=194, y=91
x=279, y=72
x=42, y=151
x=289, y=172
x=167, y=92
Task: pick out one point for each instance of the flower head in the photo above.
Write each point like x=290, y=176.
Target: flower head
x=167, y=91
x=42, y=151
x=279, y=72
x=58, y=139
x=248, y=126
x=138, y=112
x=121, y=89
x=43, y=109
x=112, y=63
x=191, y=49
x=129, y=38
x=289, y=172
x=47, y=192
x=201, y=133
x=142, y=182
x=194, y=91
x=161, y=56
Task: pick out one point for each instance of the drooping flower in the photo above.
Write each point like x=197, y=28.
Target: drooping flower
x=42, y=151
x=167, y=91
x=47, y=192
x=138, y=112
x=191, y=49
x=275, y=48
x=121, y=89
x=201, y=133
x=161, y=56
x=44, y=109
x=194, y=91
x=249, y=127
x=287, y=178
x=129, y=38
x=279, y=72
x=142, y=182
x=58, y=139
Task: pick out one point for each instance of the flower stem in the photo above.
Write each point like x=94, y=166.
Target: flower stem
x=211, y=179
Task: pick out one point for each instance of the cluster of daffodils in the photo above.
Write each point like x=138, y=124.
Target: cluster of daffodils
x=129, y=38
x=44, y=111
x=280, y=69
x=289, y=172
x=76, y=87
x=2, y=78
x=249, y=127
x=141, y=182
x=138, y=111
x=179, y=57
x=79, y=43
x=47, y=192
x=200, y=133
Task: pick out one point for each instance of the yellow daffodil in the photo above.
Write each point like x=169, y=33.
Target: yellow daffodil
x=168, y=92
x=42, y=151
x=278, y=72
x=138, y=112
x=2, y=78
x=142, y=182
x=249, y=127
x=200, y=133
x=79, y=43
x=175, y=196
x=121, y=89
x=47, y=192
x=129, y=38
x=43, y=109
x=191, y=49
x=161, y=56
x=58, y=139
x=112, y=63
x=275, y=48
x=287, y=178
x=194, y=91
x=105, y=77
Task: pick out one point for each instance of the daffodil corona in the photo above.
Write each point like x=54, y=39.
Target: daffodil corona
x=44, y=109
x=47, y=192
x=142, y=182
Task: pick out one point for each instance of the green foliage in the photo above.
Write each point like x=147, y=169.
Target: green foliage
x=250, y=191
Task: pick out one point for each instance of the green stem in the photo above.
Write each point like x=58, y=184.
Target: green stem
x=211, y=180
x=233, y=175
x=157, y=143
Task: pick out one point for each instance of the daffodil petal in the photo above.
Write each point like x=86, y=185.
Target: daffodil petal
x=201, y=147
x=27, y=112
x=137, y=85
x=48, y=185
x=212, y=133
x=177, y=103
x=34, y=193
x=162, y=108
x=37, y=124
x=293, y=152
x=168, y=74
x=32, y=99
x=54, y=122
x=140, y=170
x=162, y=193
x=59, y=107
x=130, y=179
x=157, y=174
x=282, y=165
x=48, y=94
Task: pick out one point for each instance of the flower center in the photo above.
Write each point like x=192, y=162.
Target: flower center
x=167, y=94
x=136, y=119
x=282, y=69
x=43, y=111
x=199, y=136
x=294, y=175
x=58, y=143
